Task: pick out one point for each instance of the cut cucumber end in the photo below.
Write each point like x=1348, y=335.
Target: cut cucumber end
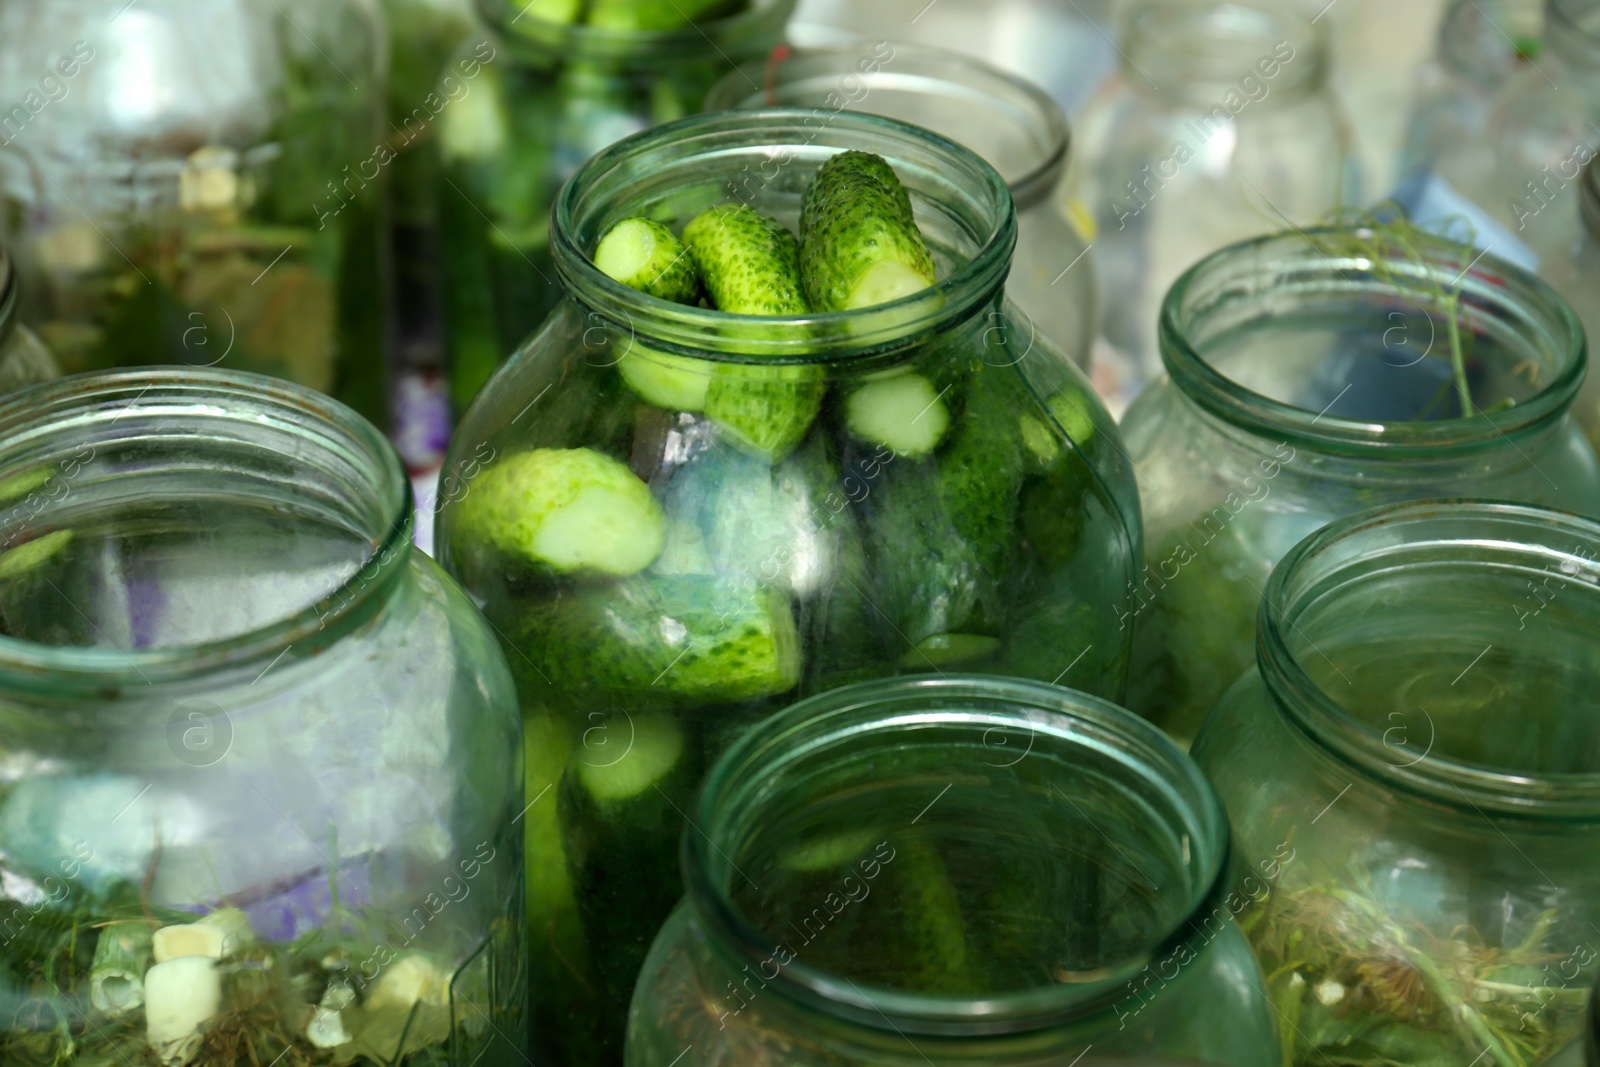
x=676, y=383
x=942, y=650
x=655, y=748
x=603, y=528
x=830, y=853
x=785, y=642
x=904, y=413
x=626, y=250
x=885, y=281
x=30, y=554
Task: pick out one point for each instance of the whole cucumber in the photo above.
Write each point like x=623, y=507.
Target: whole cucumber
x=859, y=242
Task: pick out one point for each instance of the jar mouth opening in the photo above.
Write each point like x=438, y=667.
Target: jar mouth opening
x=1007, y=120
x=1504, y=588
x=955, y=742
x=1385, y=309
x=766, y=158
x=116, y=445
x=1200, y=53
x=579, y=41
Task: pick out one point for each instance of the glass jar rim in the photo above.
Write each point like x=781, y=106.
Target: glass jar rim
x=1204, y=84
x=741, y=780
x=9, y=290
x=582, y=42
x=1307, y=572
x=977, y=79
x=584, y=206
x=1497, y=282
x=82, y=402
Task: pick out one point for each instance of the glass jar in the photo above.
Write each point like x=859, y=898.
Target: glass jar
x=24, y=360
x=1575, y=274
x=1313, y=374
x=1237, y=133
x=954, y=870
x=1418, y=731
x=551, y=96
x=260, y=764
x=195, y=181
x=788, y=563
x=1482, y=44
x=1007, y=121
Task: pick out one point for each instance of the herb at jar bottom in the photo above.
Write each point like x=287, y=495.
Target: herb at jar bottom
x=106, y=978
x=1357, y=986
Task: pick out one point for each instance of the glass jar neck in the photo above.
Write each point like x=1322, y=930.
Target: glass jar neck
x=1014, y=125
x=116, y=452
x=1514, y=586
x=1425, y=301
x=766, y=158
x=541, y=42
x=867, y=754
x=1481, y=43
x=1211, y=53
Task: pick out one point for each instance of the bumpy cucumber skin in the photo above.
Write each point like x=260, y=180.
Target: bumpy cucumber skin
x=668, y=272
x=854, y=215
x=766, y=411
x=696, y=637
x=508, y=505
x=654, y=15
x=750, y=264
x=622, y=856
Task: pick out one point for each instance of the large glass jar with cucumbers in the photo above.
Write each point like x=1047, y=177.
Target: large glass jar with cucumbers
x=260, y=760
x=1219, y=125
x=1315, y=373
x=1419, y=730
x=953, y=871
x=561, y=79
x=1009, y=122
x=196, y=181
x=850, y=463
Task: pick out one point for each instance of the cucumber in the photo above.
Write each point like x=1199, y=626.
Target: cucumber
x=620, y=825
x=675, y=383
x=935, y=931
x=645, y=255
x=1071, y=411
x=555, y=12
x=765, y=411
x=30, y=554
x=566, y=510
x=903, y=412
x=643, y=16
x=750, y=264
x=943, y=650
x=859, y=242
x=695, y=637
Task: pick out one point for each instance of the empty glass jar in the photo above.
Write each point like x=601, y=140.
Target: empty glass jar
x=260, y=763
x=195, y=181
x=1314, y=374
x=955, y=870
x=744, y=546
x=1419, y=732
x=1006, y=120
x=1220, y=125
x=550, y=96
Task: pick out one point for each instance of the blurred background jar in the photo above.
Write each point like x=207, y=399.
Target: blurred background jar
x=197, y=181
x=24, y=360
x=1009, y=122
x=1419, y=731
x=1575, y=274
x=1313, y=374
x=262, y=762
x=1219, y=125
x=955, y=870
x=552, y=92
x=765, y=550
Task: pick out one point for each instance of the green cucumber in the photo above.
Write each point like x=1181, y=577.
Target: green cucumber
x=935, y=930
x=645, y=16
x=859, y=242
x=620, y=823
x=903, y=412
x=695, y=637
x=750, y=264
x=943, y=650
x=1071, y=412
x=555, y=12
x=566, y=510
x=645, y=255
x=675, y=383
x=765, y=411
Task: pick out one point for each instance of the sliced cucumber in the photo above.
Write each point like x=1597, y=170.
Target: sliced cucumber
x=942, y=650
x=859, y=243
x=1072, y=413
x=691, y=636
x=645, y=255
x=567, y=510
x=904, y=413
x=654, y=747
x=676, y=383
x=831, y=852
